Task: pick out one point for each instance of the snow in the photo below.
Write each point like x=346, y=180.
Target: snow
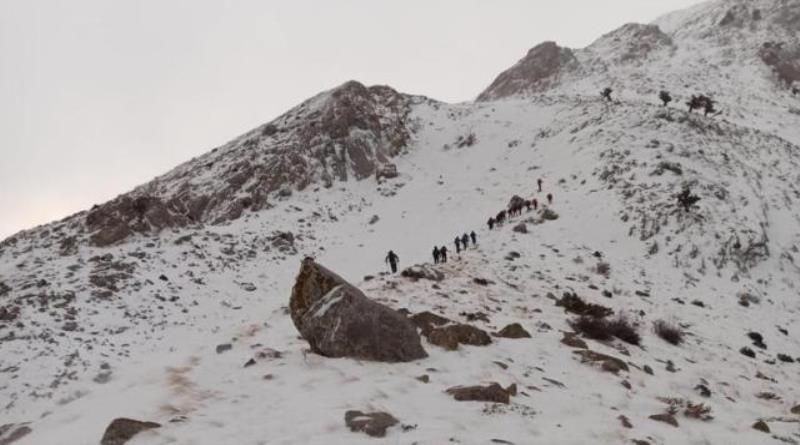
x=327, y=301
x=158, y=337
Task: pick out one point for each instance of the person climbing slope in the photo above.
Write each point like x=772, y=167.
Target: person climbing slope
x=465, y=241
x=443, y=254
x=539, y=183
x=458, y=245
x=392, y=259
x=474, y=238
x=549, y=198
x=490, y=223
x=436, y=255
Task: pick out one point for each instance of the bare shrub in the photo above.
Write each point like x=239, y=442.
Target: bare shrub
x=571, y=302
x=668, y=332
x=605, y=330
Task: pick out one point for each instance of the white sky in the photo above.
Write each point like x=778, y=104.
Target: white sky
x=98, y=96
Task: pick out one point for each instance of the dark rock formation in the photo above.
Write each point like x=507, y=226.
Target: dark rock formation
x=514, y=330
x=338, y=320
x=121, y=430
x=373, y=424
x=540, y=70
x=491, y=393
x=422, y=272
x=12, y=432
x=450, y=336
x=607, y=362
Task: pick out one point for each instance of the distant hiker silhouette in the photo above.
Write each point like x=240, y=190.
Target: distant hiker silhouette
x=528, y=205
x=458, y=245
x=436, y=255
x=549, y=198
x=392, y=259
x=539, y=182
x=474, y=238
x=465, y=241
x=443, y=254
x=535, y=204
x=490, y=223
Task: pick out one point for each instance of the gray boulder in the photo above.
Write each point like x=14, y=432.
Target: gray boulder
x=338, y=320
x=121, y=430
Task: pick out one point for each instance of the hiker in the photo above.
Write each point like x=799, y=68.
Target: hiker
x=549, y=198
x=443, y=254
x=392, y=259
x=474, y=238
x=465, y=241
x=436, y=255
x=539, y=182
x=535, y=204
x=528, y=205
x=458, y=245
x=490, y=223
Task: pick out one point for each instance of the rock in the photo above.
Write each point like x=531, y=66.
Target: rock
x=425, y=378
x=607, y=362
x=224, y=347
x=70, y=326
x=747, y=352
x=283, y=241
x=666, y=418
x=450, y=336
x=514, y=330
x=338, y=320
x=12, y=432
x=761, y=426
x=422, y=272
x=491, y=393
x=425, y=321
x=248, y=287
x=796, y=410
x=373, y=424
x=250, y=363
x=572, y=340
x=625, y=421
x=4, y=289
x=521, y=228
x=482, y=281
x=374, y=219
x=121, y=430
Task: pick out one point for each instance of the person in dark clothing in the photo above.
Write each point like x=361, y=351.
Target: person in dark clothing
x=474, y=238
x=465, y=241
x=535, y=204
x=528, y=205
x=549, y=198
x=443, y=254
x=491, y=223
x=539, y=183
x=458, y=245
x=436, y=255
x=392, y=259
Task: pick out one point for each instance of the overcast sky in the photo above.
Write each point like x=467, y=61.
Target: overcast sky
x=98, y=96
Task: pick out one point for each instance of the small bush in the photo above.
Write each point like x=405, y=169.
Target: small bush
x=605, y=330
x=668, y=332
x=603, y=269
x=573, y=303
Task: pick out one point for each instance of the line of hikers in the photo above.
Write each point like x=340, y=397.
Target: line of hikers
x=516, y=206
x=462, y=242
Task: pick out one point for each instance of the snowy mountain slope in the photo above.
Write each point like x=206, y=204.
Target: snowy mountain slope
x=89, y=333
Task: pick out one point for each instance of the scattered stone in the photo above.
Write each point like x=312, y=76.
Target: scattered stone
x=521, y=228
x=450, y=336
x=648, y=369
x=422, y=272
x=703, y=390
x=625, y=421
x=572, y=340
x=761, y=426
x=121, y=430
x=250, y=363
x=248, y=287
x=482, y=281
x=70, y=326
x=514, y=330
x=427, y=320
x=12, y=432
x=785, y=358
x=491, y=393
x=373, y=424
x=374, y=219
x=338, y=320
x=475, y=316
x=666, y=418
x=796, y=410
x=607, y=362
x=224, y=347
x=425, y=378
x=747, y=352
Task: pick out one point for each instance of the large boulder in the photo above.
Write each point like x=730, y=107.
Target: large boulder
x=338, y=320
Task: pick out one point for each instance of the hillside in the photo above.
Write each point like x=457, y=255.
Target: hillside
x=170, y=303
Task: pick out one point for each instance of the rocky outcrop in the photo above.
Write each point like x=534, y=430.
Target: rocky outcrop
x=12, y=432
x=540, y=70
x=514, y=330
x=784, y=60
x=373, y=424
x=338, y=320
x=450, y=336
x=423, y=272
x=121, y=430
x=632, y=42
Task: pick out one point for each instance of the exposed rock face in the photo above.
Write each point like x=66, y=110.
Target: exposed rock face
x=784, y=60
x=373, y=424
x=607, y=362
x=352, y=131
x=491, y=393
x=121, y=430
x=631, y=42
x=538, y=71
x=338, y=320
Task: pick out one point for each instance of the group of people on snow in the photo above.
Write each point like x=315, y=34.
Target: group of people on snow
x=462, y=242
